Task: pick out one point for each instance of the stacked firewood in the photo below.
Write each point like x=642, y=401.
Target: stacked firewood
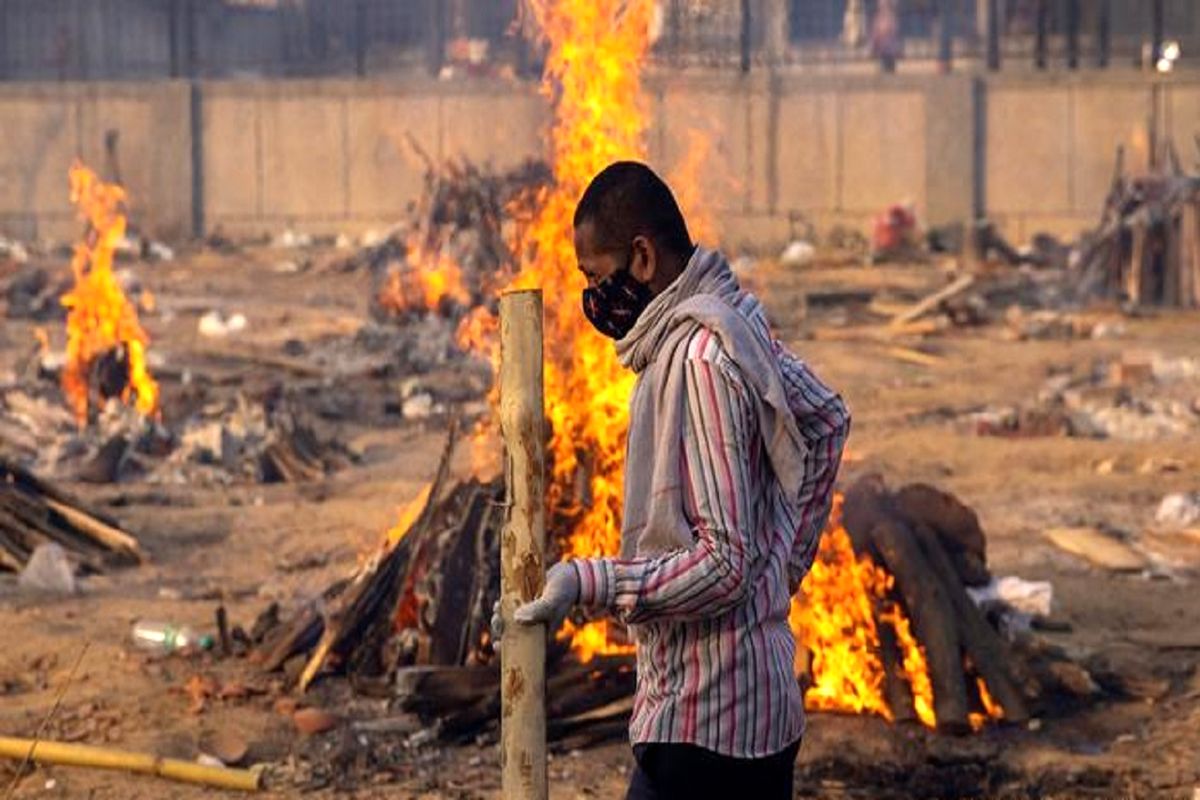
x=34, y=512
x=933, y=546
x=414, y=622
x=1146, y=249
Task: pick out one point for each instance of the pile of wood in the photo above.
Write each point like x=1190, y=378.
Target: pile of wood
x=461, y=215
x=934, y=547
x=34, y=512
x=414, y=622
x=1146, y=250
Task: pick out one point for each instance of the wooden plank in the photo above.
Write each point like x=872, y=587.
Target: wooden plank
x=1097, y=548
x=1134, y=269
x=1190, y=266
x=924, y=306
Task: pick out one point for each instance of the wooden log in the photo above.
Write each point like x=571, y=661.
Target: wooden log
x=29, y=483
x=522, y=548
x=896, y=688
x=112, y=538
x=33, y=523
x=299, y=635
x=456, y=564
x=375, y=586
x=956, y=525
x=932, y=616
x=1135, y=268
x=440, y=689
x=485, y=582
x=1170, y=260
x=982, y=645
x=1190, y=266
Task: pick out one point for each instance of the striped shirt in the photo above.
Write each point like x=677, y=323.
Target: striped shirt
x=714, y=650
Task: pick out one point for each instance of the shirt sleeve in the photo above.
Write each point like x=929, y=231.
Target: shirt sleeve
x=715, y=574
x=824, y=422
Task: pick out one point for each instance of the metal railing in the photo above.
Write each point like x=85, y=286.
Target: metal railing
x=145, y=39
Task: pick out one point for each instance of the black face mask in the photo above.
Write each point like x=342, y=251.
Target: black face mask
x=614, y=304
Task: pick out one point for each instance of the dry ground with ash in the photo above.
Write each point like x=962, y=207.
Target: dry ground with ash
x=251, y=544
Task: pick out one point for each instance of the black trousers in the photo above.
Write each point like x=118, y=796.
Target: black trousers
x=687, y=772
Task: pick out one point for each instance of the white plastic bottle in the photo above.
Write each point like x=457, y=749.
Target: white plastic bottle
x=163, y=637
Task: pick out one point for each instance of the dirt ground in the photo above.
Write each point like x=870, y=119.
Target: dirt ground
x=247, y=545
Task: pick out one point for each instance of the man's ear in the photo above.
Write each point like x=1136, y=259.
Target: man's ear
x=643, y=264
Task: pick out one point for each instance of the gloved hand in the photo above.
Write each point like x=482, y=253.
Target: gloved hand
x=558, y=595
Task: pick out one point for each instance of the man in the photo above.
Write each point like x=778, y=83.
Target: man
x=733, y=448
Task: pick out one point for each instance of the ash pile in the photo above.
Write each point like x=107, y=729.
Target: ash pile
x=1135, y=397
x=268, y=439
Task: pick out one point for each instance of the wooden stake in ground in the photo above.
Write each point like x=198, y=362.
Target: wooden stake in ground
x=522, y=548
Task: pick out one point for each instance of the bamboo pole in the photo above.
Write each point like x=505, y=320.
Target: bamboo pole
x=82, y=755
x=522, y=548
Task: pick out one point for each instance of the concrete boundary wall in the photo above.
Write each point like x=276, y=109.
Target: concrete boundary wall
x=776, y=153
x=1050, y=143
x=44, y=126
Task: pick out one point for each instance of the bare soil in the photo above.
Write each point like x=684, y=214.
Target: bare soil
x=247, y=545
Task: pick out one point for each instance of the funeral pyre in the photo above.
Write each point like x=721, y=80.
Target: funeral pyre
x=94, y=411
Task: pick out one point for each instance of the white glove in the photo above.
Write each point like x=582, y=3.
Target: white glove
x=558, y=595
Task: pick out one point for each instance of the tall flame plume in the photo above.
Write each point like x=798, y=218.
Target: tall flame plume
x=100, y=318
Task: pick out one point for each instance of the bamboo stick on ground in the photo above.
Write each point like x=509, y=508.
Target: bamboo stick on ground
x=522, y=548
x=81, y=755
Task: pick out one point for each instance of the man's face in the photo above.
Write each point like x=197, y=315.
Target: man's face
x=596, y=265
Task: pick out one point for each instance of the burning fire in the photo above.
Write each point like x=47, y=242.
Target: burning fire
x=430, y=277
x=100, y=319
x=599, y=117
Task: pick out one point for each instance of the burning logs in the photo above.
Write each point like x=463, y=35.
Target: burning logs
x=912, y=533
x=413, y=622
x=33, y=512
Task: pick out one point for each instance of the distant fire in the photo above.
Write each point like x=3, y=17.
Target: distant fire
x=101, y=321
x=429, y=279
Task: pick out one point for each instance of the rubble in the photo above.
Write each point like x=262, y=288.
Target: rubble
x=1179, y=510
x=1135, y=397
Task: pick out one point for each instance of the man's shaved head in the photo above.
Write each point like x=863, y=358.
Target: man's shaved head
x=627, y=199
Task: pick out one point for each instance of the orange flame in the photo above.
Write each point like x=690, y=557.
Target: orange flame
x=428, y=278
x=835, y=618
x=100, y=318
x=592, y=80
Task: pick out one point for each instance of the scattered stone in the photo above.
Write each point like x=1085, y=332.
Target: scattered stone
x=48, y=570
x=1179, y=510
x=797, y=254
x=224, y=744
x=311, y=721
